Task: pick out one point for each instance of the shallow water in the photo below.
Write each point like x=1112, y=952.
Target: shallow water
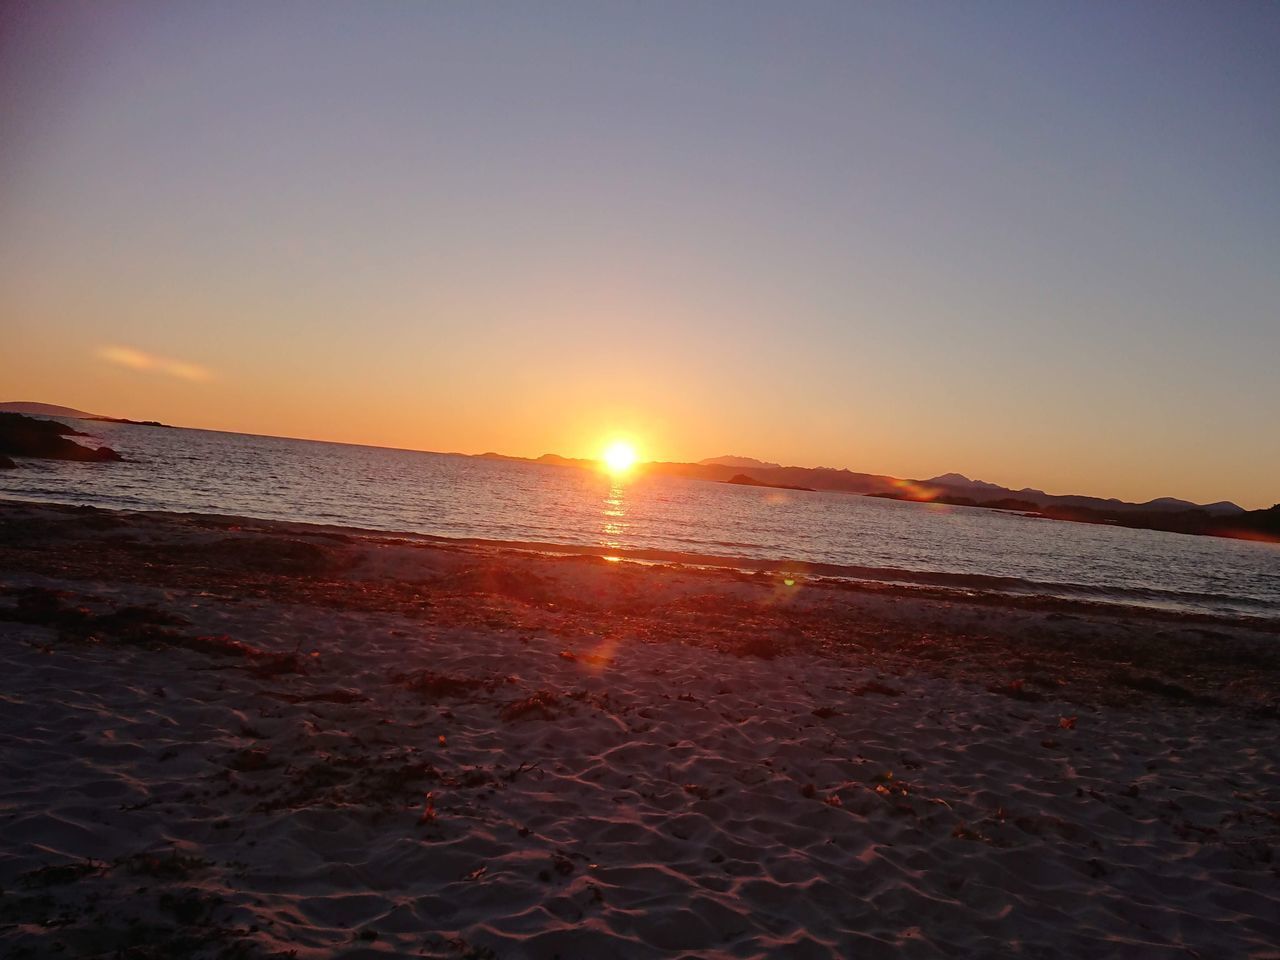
x=454, y=496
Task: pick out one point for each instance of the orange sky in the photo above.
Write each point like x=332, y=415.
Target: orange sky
x=401, y=398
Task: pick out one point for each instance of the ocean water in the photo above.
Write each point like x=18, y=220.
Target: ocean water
x=455, y=496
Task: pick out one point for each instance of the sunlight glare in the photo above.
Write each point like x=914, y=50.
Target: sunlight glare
x=619, y=457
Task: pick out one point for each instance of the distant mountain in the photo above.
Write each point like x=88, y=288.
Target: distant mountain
x=33, y=409
x=968, y=488
x=1221, y=507
x=1224, y=507
x=959, y=480
x=738, y=462
x=953, y=485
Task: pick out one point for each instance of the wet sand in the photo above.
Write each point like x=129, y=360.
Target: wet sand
x=233, y=738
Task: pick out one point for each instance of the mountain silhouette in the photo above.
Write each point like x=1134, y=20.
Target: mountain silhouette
x=739, y=462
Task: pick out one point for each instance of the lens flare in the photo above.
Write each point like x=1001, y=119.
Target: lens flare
x=133, y=359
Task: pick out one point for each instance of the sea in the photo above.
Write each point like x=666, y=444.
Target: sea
x=657, y=518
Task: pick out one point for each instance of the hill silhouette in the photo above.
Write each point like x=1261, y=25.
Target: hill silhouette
x=952, y=485
x=33, y=409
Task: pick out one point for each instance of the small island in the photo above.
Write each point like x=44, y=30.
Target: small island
x=743, y=480
x=135, y=423
x=22, y=436
x=1002, y=503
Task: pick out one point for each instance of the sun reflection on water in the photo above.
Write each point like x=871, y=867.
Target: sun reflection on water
x=614, y=515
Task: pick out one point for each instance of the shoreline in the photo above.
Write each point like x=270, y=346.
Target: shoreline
x=262, y=739
x=979, y=588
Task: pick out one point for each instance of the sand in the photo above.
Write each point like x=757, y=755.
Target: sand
x=232, y=738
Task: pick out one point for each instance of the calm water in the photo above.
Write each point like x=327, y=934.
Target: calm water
x=455, y=496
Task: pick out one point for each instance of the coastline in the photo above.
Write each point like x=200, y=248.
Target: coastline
x=270, y=736
x=961, y=586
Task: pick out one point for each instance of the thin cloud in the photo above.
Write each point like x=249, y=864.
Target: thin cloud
x=135, y=359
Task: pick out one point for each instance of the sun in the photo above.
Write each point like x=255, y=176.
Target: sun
x=619, y=457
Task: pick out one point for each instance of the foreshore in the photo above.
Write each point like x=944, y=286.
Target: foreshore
x=226, y=737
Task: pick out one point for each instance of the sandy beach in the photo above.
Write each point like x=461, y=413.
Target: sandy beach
x=232, y=738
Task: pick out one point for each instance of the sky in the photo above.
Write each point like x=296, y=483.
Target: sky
x=1036, y=243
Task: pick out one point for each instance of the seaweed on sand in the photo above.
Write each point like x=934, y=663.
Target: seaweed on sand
x=438, y=686
x=544, y=703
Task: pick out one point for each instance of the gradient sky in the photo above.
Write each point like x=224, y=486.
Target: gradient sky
x=1037, y=243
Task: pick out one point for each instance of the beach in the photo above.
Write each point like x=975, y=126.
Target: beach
x=226, y=737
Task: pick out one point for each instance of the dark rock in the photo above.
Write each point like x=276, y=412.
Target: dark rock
x=28, y=437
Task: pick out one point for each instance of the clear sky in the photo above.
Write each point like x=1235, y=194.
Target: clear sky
x=1037, y=243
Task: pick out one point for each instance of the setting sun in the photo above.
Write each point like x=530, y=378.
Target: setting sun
x=619, y=456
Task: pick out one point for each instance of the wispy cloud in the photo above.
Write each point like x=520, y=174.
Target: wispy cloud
x=136, y=359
